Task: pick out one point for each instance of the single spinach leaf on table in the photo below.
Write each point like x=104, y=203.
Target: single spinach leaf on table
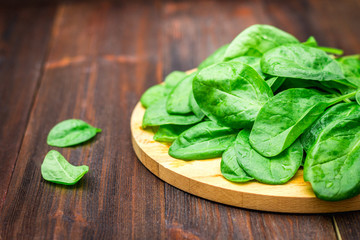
x=231, y=93
x=178, y=101
x=334, y=114
x=168, y=133
x=204, y=140
x=275, y=170
x=56, y=169
x=71, y=132
x=253, y=62
x=156, y=115
x=215, y=57
x=332, y=165
x=152, y=95
x=230, y=168
x=286, y=116
x=300, y=61
x=256, y=40
x=172, y=80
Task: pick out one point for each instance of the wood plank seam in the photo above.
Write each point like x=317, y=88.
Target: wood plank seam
x=336, y=227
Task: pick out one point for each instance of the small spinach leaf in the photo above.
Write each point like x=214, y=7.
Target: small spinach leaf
x=178, y=102
x=204, y=140
x=172, y=80
x=71, y=132
x=168, y=133
x=231, y=93
x=332, y=165
x=230, y=168
x=215, y=57
x=300, y=61
x=256, y=40
x=56, y=169
x=275, y=170
x=285, y=117
x=152, y=95
x=157, y=115
x=334, y=114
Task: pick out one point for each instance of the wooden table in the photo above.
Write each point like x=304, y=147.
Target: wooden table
x=92, y=60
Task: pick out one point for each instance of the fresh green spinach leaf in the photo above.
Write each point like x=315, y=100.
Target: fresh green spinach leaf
x=152, y=95
x=300, y=61
x=230, y=168
x=157, y=115
x=334, y=114
x=286, y=116
x=332, y=165
x=275, y=83
x=253, y=62
x=204, y=140
x=56, y=169
x=168, y=133
x=256, y=40
x=311, y=42
x=357, y=97
x=172, y=80
x=231, y=93
x=71, y=132
x=350, y=66
x=275, y=170
x=178, y=102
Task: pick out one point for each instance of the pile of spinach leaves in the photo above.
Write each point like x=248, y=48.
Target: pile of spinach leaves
x=267, y=104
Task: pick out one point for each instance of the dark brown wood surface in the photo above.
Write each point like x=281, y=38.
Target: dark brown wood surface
x=92, y=60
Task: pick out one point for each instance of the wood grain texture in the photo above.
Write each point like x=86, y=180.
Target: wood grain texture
x=102, y=58
x=23, y=48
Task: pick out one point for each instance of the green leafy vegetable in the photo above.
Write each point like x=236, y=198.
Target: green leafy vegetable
x=300, y=61
x=350, y=66
x=157, y=115
x=256, y=40
x=172, y=80
x=334, y=114
x=253, y=62
x=168, y=133
x=230, y=168
x=275, y=82
x=276, y=170
x=332, y=165
x=215, y=57
x=152, y=95
x=231, y=93
x=56, y=169
x=195, y=107
x=71, y=132
x=357, y=97
x=285, y=117
x=311, y=42
x=178, y=102
x=204, y=140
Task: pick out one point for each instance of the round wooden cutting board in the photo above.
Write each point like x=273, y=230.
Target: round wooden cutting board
x=203, y=178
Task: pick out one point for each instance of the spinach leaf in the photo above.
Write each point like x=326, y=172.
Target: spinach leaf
x=311, y=42
x=350, y=66
x=230, y=168
x=253, y=62
x=168, y=133
x=332, y=165
x=172, y=80
x=334, y=114
x=275, y=82
x=157, y=115
x=357, y=97
x=300, y=61
x=71, y=132
x=231, y=93
x=285, y=117
x=195, y=107
x=256, y=40
x=56, y=169
x=152, y=95
x=178, y=102
x=215, y=57
x=275, y=170
x=204, y=140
